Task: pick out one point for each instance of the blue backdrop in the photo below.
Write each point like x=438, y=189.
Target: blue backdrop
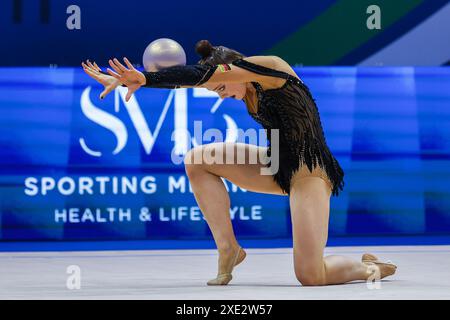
x=76, y=167
x=322, y=32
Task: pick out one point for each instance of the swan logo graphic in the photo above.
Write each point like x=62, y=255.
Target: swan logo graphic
x=181, y=137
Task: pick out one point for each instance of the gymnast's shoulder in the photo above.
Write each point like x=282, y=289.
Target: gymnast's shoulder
x=272, y=62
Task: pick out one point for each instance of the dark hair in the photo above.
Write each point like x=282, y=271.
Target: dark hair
x=211, y=55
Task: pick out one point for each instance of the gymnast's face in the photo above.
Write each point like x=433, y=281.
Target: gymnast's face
x=229, y=90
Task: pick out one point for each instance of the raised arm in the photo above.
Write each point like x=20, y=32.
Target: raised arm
x=199, y=75
x=185, y=76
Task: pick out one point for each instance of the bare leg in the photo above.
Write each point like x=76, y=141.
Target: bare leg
x=212, y=196
x=310, y=206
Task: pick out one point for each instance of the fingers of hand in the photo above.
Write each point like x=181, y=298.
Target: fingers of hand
x=129, y=94
x=117, y=66
x=107, y=90
x=84, y=65
x=121, y=66
x=112, y=73
x=131, y=90
x=90, y=64
x=98, y=68
x=128, y=63
x=93, y=66
x=90, y=67
x=92, y=73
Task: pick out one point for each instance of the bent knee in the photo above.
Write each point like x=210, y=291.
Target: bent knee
x=193, y=161
x=310, y=276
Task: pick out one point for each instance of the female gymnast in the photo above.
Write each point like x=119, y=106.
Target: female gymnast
x=308, y=172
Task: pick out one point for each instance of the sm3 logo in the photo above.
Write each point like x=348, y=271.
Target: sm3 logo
x=180, y=136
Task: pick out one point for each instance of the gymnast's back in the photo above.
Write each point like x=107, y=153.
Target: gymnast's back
x=284, y=102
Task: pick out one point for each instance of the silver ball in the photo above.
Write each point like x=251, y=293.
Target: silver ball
x=163, y=53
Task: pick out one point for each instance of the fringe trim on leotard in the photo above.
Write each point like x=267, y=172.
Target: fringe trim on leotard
x=311, y=155
x=299, y=146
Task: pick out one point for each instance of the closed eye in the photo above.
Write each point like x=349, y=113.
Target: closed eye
x=220, y=88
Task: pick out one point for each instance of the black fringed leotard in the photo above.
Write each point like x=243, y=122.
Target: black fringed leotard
x=292, y=109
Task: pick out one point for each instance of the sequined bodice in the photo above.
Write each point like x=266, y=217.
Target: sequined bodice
x=288, y=109
x=264, y=100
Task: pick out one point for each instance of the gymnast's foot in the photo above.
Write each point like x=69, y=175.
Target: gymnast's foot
x=228, y=259
x=385, y=268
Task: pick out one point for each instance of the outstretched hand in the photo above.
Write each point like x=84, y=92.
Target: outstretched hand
x=94, y=71
x=130, y=77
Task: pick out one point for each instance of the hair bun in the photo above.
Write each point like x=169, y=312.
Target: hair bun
x=204, y=48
